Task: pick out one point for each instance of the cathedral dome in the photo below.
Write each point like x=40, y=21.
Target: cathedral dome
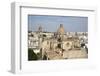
x=61, y=30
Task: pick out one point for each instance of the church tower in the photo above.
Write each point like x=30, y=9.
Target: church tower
x=61, y=32
x=60, y=35
x=40, y=29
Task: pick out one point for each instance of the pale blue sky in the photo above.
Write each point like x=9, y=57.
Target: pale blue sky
x=51, y=23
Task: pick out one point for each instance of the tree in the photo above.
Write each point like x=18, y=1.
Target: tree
x=32, y=55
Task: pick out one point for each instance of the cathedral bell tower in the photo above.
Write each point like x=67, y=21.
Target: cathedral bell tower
x=60, y=36
x=61, y=32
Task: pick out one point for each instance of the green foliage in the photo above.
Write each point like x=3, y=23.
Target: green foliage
x=39, y=56
x=32, y=55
